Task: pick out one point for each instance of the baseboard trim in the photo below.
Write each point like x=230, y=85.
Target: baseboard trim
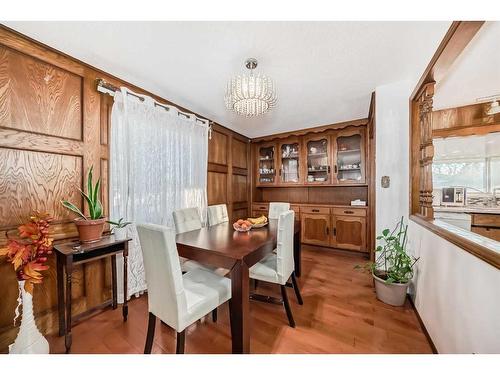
x=422, y=325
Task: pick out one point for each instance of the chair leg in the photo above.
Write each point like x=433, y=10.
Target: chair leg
x=286, y=303
x=151, y=334
x=214, y=315
x=296, y=289
x=181, y=337
x=231, y=320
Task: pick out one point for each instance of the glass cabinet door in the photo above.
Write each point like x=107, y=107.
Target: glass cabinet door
x=318, y=162
x=266, y=172
x=350, y=157
x=290, y=160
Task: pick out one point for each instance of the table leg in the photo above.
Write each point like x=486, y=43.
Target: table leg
x=240, y=309
x=60, y=292
x=69, y=271
x=296, y=253
x=125, y=281
x=113, y=282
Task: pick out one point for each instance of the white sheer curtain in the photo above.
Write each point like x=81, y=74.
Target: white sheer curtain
x=158, y=164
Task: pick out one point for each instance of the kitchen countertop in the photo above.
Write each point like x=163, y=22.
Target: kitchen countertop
x=468, y=209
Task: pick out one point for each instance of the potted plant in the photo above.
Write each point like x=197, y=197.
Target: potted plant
x=29, y=254
x=119, y=228
x=392, y=269
x=89, y=228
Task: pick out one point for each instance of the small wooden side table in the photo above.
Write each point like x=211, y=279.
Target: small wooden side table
x=72, y=253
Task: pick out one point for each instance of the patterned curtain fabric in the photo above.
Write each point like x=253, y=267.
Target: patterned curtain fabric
x=158, y=164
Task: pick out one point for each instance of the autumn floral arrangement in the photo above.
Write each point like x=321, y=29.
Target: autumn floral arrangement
x=29, y=252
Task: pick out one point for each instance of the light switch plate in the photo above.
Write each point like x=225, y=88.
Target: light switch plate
x=385, y=181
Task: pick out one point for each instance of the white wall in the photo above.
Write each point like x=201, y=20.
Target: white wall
x=392, y=149
x=456, y=294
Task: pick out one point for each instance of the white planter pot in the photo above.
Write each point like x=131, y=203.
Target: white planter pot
x=29, y=340
x=120, y=233
x=390, y=293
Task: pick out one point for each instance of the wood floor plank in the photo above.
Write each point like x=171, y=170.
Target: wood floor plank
x=340, y=315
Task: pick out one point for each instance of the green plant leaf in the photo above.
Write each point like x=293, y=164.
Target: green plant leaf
x=97, y=210
x=89, y=181
x=70, y=206
x=89, y=203
x=385, y=232
x=95, y=197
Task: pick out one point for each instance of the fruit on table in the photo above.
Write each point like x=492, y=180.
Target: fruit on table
x=259, y=220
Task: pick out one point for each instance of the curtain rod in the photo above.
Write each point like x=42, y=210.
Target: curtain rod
x=107, y=88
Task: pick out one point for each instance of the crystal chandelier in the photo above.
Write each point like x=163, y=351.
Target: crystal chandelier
x=250, y=95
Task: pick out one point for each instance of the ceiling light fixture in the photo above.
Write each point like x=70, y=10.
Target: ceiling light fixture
x=250, y=95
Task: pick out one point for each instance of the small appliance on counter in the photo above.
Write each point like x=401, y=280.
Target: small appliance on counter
x=358, y=202
x=453, y=196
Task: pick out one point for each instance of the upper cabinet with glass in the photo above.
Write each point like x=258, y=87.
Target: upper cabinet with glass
x=266, y=164
x=290, y=162
x=349, y=157
x=318, y=160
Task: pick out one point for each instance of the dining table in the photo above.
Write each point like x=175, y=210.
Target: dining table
x=222, y=246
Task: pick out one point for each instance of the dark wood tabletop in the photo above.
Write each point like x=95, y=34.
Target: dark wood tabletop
x=222, y=246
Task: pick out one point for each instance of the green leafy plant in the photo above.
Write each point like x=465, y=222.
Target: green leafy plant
x=120, y=223
x=91, y=197
x=392, y=263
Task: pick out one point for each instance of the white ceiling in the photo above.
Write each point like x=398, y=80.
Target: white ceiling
x=325, y=71
x=476, y=72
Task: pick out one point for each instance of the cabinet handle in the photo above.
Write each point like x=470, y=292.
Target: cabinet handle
x=335, y=169
x=327, y=230
x=348, y=212
x=280, y=170
x=335, y=232
x=315, y=210
x=328, y=169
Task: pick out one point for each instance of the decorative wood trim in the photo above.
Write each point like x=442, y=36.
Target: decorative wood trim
x=371, y=176
x=317, y=129
x=489, y=256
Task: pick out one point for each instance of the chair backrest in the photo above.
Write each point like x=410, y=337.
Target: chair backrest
x=285, y=263
x=276, y=208
x=166, y=296
x=187, y=220
x=217, y=214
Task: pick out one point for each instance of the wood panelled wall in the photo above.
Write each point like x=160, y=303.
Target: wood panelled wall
x=229, y=171
x=54, y=126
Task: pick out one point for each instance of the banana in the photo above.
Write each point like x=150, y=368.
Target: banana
x=259, y=220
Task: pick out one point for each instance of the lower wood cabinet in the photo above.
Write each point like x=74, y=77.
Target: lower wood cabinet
x=349, y=232
x=340, y=227
x=315, y=229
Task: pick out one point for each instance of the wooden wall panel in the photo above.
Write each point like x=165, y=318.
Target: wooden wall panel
x=217, y=148
x=240, y=189
x=35, y=95
x=37, y=181
x=217, y=188
x=239, y=152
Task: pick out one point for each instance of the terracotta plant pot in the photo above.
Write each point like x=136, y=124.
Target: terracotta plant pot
x=90, y=230
x=391, y=293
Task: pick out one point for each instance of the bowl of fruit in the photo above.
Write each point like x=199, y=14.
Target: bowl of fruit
x=242, y=225
x=258, y=222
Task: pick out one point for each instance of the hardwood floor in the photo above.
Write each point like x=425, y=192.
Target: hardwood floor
x=340, y=315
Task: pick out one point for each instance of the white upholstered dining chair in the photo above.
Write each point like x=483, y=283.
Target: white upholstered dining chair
x=186, y=220
x=278, y=267
x=177, y=299
x=276, y=208
x=217, y=214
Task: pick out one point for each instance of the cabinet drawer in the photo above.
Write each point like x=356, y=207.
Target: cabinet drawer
x=315, y=210
x=260, y=206
x=486, y=220
x=492, y=233
x=349, y=211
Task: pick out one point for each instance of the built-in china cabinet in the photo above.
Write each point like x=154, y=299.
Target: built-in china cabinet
x=319, y=173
